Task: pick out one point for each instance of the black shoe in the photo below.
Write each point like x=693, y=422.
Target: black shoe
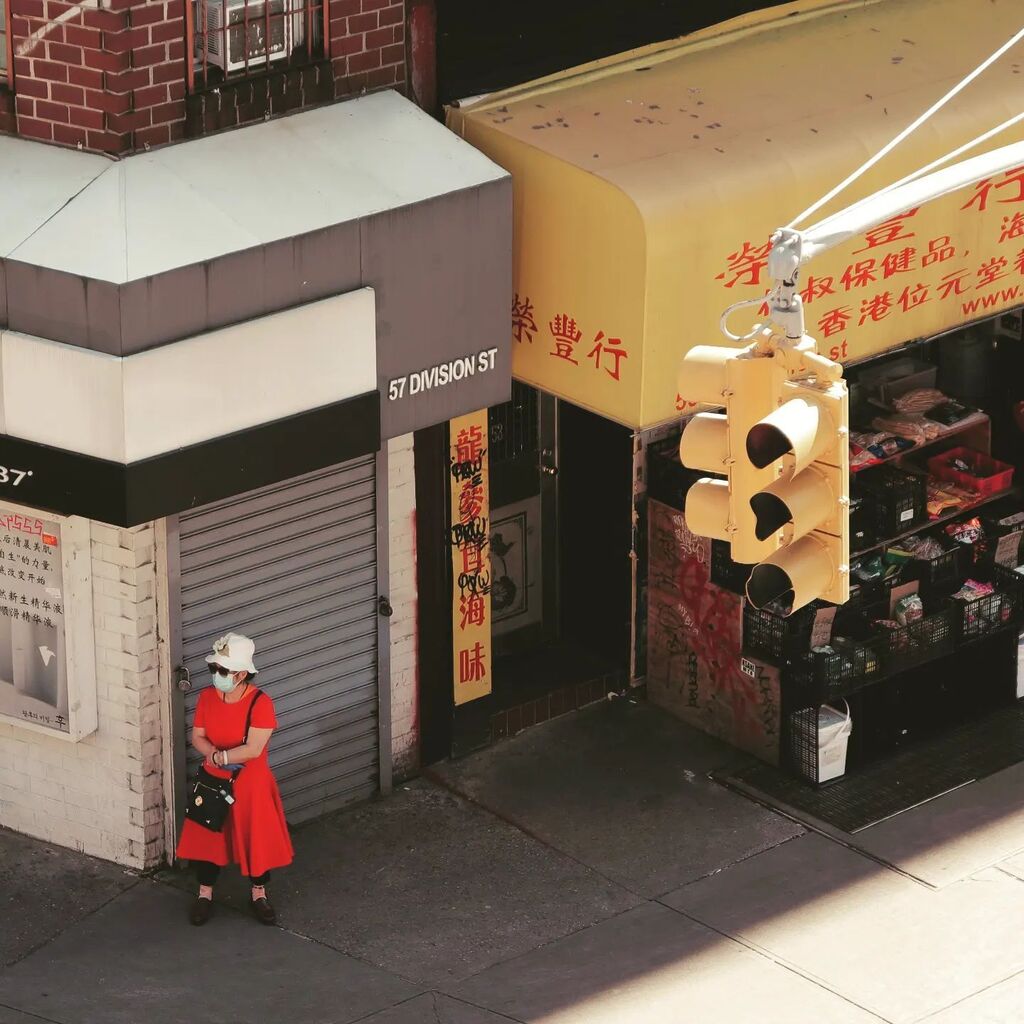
x=264, y=911
x=200, y=912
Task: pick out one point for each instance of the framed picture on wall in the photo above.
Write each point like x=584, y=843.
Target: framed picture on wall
x=47, y=641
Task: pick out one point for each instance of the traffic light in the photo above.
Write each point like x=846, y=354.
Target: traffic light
x=807, y=506
x=782, y=446
x=746, y=385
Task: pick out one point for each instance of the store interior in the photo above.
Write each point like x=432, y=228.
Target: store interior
x=913, y=687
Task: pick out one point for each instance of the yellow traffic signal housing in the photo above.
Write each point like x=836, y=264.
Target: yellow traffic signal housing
x=782, y=446
x=746, y=383
x=809, y=501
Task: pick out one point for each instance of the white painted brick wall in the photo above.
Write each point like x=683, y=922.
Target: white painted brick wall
x=402, y=573
x=103, y=795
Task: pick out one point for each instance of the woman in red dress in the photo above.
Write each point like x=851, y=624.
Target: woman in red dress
x=255, y=835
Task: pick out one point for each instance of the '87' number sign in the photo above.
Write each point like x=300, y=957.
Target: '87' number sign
x=13, y=476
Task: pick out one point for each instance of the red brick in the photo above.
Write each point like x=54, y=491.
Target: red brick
x=155, y=136
x=88, y=78
x=52, y=111
x=174, y=111
x=176, y=10
x=380, y=37
x=33, y=129
x=64, y=53
x=22, y=67
x=151, y=95
x=129, y=122
x=166, y=31
x=176, y=49
x=49, y=70
x=79, y=35
x=400, y=32
x=126, y=40
x=25, y=106
x=146, y=56
x=86, y=118
x=148, y=14
x=348, y=45
x=176, y=90
x=381, y=77
x=106, y=142
x=55, y=8
x=129, y=81
x=375, y=5
x=364, y=61
x=393, y=54
x=391, y=16
x=109, y=102
x=170, y=72
x=120, y=5
x=28, y=8
x=103, y=60
x=105, y=21
x=23, y=27
x=362, y=23
x=35, y=88
x=67, y=94
x=344, y=8
x=69, y=135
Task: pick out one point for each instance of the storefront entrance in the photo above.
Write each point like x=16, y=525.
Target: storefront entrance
x=294, y=566
x=560, y=540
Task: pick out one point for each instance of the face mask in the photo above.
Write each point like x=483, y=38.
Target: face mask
x=224, y=683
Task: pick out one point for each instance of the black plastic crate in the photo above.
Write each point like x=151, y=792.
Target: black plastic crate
x=726, y=573
x=983, y=615
x=821, y=676
x=895, y=501
x=903, y=647
x=1010, y=582
x=775, y=638
x=942, y=574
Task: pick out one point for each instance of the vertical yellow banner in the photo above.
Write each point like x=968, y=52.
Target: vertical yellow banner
x=471, y=561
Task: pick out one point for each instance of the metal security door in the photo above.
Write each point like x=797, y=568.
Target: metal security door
x=294, y=566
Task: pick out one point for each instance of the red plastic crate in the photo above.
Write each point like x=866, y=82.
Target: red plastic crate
x=993, y=476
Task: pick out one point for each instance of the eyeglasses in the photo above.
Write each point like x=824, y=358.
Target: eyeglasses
x=220, y=670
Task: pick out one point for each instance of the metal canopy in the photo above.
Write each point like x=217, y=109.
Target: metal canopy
x=119, y=221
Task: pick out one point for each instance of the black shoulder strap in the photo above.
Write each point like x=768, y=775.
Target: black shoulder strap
x=248, y=717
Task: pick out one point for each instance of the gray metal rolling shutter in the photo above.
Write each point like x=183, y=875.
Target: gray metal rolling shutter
x=294, y=566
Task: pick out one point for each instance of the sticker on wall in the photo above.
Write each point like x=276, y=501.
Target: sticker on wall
x=469, y=481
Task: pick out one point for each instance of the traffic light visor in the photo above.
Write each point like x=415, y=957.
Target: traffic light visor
x=798, y=427
x=794, y=576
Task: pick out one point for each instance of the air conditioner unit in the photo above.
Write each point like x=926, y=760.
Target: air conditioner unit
x=237, y=32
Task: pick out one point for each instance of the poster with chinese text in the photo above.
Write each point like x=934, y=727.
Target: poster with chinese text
x=33, y=676
x=471, y=564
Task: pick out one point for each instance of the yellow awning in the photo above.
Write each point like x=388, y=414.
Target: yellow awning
x=646, y=186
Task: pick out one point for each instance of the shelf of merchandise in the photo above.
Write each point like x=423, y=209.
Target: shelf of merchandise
x=977, y=421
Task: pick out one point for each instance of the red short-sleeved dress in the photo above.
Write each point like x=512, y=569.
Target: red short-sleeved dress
x=255, y=835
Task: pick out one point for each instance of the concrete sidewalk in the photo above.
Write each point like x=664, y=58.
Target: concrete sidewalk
x=587, y=871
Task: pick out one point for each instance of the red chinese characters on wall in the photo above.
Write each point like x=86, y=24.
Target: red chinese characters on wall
x=471, y=574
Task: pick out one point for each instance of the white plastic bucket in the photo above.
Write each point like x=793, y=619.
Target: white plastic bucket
x=834, y=728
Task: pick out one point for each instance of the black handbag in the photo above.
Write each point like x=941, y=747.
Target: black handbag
x=209, y=797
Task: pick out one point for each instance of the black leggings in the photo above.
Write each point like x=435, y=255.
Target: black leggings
x=208, y=872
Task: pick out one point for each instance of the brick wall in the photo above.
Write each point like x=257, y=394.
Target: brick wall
x=367, y=45
x=113, y=78
x=402, y=548
x=103, y=795
x=110, y=78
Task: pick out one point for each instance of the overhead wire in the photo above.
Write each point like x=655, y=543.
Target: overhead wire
x=892, y=144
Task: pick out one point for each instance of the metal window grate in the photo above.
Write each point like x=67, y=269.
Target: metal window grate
x=513, y=427
x=235, y=38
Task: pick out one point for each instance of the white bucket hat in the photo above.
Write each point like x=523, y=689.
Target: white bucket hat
x=234, y=652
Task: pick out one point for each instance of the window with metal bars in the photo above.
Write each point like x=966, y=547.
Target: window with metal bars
x=236, y=38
